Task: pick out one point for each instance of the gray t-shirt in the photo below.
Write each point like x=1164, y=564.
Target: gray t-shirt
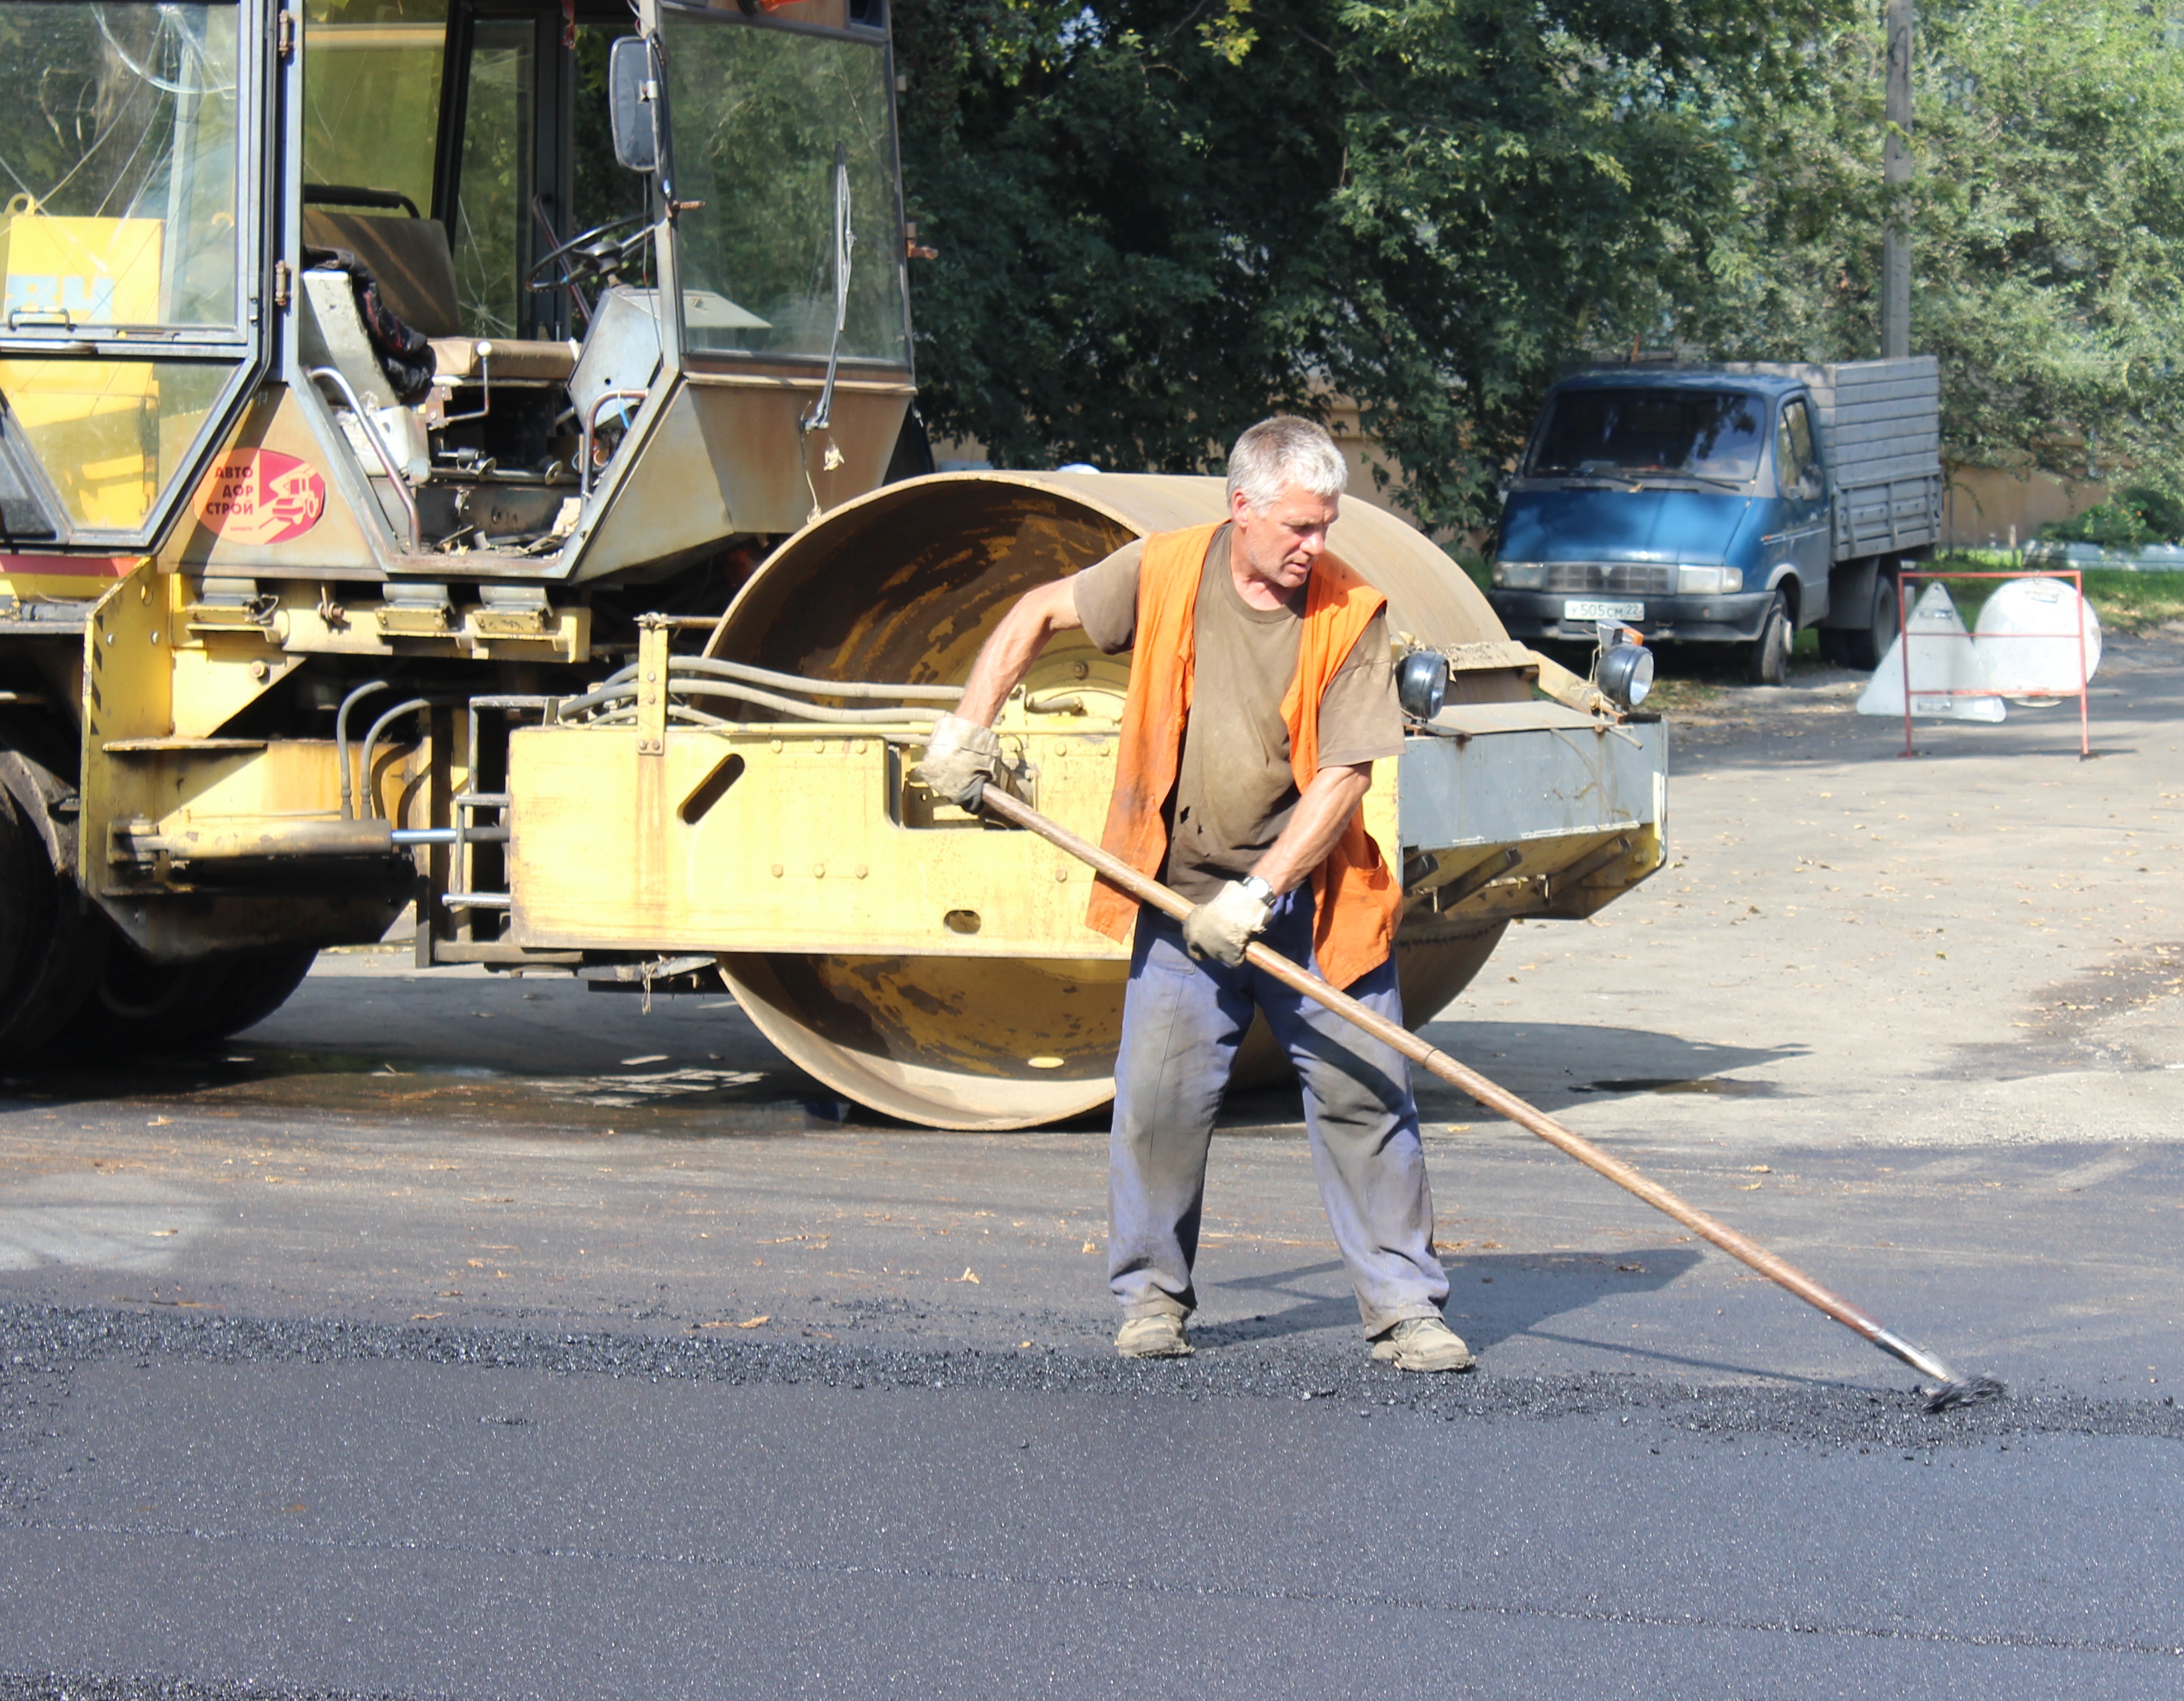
x=1234, y=790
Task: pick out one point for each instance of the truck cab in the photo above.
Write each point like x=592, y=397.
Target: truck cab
x=1725, y=506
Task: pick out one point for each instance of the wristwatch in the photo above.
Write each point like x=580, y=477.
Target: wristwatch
x=1258, y=889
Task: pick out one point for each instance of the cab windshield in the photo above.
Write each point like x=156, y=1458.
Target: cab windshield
x=761, y=110
x=1710, y=434
x=118, y=217
x=118, y=163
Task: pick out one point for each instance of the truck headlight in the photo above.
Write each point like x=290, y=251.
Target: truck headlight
x=1521, y=576
x=1708, y=581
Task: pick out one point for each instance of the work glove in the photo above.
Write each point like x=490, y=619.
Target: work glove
x=1225, y=925
x=961, y=759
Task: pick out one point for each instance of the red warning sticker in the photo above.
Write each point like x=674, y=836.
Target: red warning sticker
x=261, y=496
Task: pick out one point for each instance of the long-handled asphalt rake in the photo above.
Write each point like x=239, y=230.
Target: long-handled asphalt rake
x=1951, y=1389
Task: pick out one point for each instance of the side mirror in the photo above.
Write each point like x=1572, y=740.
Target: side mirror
x=632, y=99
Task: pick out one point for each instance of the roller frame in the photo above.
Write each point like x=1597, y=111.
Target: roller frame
x=942, y=970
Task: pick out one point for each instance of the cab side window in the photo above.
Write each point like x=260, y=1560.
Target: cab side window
x=603, y=189
x=371, y=95
x=493, y=202
x=1796, y=460
x=536, y=134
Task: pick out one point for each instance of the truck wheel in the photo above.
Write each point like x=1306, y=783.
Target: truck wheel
x=1863, y=646
x=1769, y=662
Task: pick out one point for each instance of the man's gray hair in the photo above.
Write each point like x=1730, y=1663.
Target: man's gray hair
x=1282, y=452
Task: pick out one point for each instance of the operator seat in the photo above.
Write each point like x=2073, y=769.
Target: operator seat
x=411, y=262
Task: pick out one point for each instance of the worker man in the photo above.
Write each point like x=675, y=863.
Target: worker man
x=1261, y=691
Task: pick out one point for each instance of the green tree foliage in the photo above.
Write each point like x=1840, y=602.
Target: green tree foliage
x=2136, y=515
x=2047, y=229
x=1160, y=221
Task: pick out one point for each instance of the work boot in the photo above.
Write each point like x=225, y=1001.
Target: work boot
x=1422, y=1343
x=1159, y=1336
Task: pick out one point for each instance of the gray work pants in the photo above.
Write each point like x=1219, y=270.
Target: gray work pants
x=1181, y=1023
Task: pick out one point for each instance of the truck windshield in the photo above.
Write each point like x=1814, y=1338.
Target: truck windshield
x=1712, y=434
x=117, y=162
x=758, y=112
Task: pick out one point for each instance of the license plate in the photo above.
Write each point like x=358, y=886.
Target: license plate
x=1575, y=609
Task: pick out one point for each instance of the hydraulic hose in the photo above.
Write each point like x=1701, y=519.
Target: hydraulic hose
x=623, y=692
x=340, y=739
x=371, y=798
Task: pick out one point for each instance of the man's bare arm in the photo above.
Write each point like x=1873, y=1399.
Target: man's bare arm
x=1317, y=822
x=1033, y=619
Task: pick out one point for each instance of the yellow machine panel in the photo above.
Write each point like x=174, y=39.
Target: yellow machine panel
x=781, y=838
x=265, y=505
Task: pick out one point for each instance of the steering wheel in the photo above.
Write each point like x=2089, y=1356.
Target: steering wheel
x=591, y=256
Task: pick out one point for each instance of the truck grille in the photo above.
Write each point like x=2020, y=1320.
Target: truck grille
x=1634, y=577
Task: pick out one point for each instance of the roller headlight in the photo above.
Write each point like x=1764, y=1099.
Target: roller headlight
x=1708, y=581
x=1421, y=684
x=1520, y=576
x=1626, y=674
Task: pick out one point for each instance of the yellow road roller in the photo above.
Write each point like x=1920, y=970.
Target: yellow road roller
x=460, y=455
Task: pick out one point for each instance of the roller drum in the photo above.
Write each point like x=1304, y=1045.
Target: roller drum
x=904, y=585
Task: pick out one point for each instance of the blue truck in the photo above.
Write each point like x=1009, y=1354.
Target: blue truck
x=1734, y=503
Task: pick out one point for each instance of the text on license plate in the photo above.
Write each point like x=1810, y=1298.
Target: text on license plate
x=1575, y=609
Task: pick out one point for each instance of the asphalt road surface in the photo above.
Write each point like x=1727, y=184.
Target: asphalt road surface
x=450, y=1336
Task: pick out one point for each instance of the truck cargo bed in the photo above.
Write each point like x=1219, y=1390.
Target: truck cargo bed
x=1881, y=424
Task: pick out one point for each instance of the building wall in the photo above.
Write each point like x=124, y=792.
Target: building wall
x=1986, y=507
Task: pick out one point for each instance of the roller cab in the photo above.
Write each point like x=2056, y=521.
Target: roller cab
x=379, y=353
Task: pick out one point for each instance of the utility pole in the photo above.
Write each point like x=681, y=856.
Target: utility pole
x=1896, y=171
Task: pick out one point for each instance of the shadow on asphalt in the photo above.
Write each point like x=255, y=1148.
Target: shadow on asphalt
x=1491, y=1296
x=1556, y=1064
x=681, y=1094
x=650, y=1094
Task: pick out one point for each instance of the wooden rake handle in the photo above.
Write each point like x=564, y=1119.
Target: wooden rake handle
x=1496, y=1099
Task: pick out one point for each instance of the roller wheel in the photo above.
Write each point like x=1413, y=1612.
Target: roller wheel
x=1769, y=662
x=260, y=985
x=51, y=952
x=138, y=1005
x=19, y=904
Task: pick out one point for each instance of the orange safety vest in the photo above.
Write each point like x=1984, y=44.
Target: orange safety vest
x=1357, y=898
